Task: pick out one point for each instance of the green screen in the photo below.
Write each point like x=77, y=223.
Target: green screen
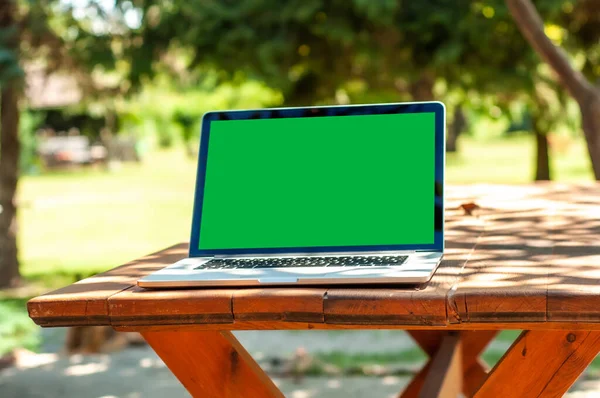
x=319, y=181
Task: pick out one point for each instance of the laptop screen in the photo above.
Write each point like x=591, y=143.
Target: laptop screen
x=319, y=182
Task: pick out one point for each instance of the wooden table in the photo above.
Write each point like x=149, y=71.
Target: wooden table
x=528, y=258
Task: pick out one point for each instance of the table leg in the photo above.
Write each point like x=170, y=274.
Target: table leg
x=541, y=363
x=471, y=344
x=444, y=378
x=211, y=364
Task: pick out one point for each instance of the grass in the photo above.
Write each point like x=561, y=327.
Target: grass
x=343, y=360
x=76, y=223
x=16, y=329
x=83, y=222
x=512, y=161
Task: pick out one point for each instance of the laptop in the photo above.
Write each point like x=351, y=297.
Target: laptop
x=316, y=196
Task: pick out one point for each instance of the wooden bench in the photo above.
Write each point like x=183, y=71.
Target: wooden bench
x=526, y=258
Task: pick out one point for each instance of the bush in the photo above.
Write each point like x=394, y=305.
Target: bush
x=16, y=329
x=28, y=125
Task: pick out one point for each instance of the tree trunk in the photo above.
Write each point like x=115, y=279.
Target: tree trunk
x=422, y=88
x=542, y=164
x=590, y=114
x=9, y=160
x=9, y=172
x=459, y=123
x=587, y=96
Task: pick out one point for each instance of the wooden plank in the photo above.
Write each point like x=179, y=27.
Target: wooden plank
x=444, y=378
x=473, y=377
x=541, y=364
x=142, y=307
x=506, y=278
x=413, y=389
x=538, y=259
x=288, y=304
x=425, y=304
x=85, y=302
x=575, y=296
x=473, y=344
x=212, y=364
x=475, y=370
x=391, y=306
x=428, y=340
x=574, y=292
x=284, y=325
x=420, y=305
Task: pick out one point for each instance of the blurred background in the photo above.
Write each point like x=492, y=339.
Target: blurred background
x=100, y=108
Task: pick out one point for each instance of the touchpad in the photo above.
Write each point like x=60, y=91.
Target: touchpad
x=278, y=279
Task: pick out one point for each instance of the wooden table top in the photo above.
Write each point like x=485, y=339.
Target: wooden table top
x=527, y=258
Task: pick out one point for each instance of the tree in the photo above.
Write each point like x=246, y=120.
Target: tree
x=27, y=25
x=10, y=85
x=187, y=123
x=540, y=129
x=459, y=124
x=582, y=21
x=323, y=51
x=585, y=93
x=312, y=49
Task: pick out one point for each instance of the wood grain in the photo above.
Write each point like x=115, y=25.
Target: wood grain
x=473, y=377
x=212, y=364
x=473, y=344
x=425, y=304
x=428, y=340
x=574, y=291
x=413, y=389
x=541, y=364
x=444, y=377
x=506, y=278
x=475, y=370
x=283, y=325
x=538, y=259
x=85, y=302
x=290, y=305
x=138, y=306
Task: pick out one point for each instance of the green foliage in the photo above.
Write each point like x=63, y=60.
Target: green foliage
x=166, y=115
x=311, y=51
x=578, y=30
x=316, y=51
x=9, y=61
x=28, y=125
x=16, y=329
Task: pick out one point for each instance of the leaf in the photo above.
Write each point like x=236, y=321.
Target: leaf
x=13, y=71
x=469, y=208
x=7, y=56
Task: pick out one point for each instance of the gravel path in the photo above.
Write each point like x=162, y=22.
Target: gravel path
x=282, y=343
x=138, y=372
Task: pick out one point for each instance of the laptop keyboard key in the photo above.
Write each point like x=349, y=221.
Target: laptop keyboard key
x=283, y=262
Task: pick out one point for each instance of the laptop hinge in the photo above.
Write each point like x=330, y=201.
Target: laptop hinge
x=314, y=254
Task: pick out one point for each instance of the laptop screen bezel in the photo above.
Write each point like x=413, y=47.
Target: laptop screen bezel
x=343, y=110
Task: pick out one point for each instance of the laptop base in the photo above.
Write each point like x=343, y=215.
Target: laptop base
x=418, y=268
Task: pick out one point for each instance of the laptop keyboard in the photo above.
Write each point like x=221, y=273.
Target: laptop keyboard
x=278, y=262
